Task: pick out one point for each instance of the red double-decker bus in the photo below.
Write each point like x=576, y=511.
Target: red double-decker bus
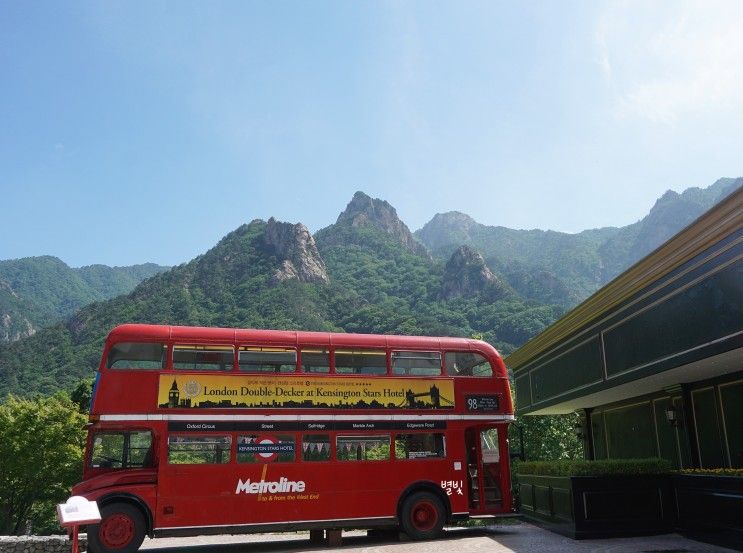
x=210, y=430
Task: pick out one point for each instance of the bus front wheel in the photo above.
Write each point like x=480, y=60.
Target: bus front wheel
x=422, y=516
x=121, y=530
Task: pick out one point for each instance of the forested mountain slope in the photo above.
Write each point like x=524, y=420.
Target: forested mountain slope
x=270, y=275
x=556, y=267
x=365, y=273
x=38, y=291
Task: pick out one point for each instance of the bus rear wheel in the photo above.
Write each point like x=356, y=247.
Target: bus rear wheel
x=422, y=516
x=121, y=530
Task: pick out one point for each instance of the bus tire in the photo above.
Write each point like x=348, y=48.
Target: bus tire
x=422, y=516
x=121, y=529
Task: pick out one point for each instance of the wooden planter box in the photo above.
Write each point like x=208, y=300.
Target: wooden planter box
x=599, y=506
x=710, y=508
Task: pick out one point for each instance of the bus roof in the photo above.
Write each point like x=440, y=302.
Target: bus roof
x=186, y=334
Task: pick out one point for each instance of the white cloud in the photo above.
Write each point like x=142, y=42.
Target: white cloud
x=665, y=61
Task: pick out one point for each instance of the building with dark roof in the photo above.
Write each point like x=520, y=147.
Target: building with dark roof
x=653, y=361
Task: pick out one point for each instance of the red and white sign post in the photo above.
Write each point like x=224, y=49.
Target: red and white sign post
x=75, y=512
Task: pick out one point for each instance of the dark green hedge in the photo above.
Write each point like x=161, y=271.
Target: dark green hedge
x=582, y=467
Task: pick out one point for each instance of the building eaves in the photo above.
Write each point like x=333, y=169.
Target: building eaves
x=721, y=220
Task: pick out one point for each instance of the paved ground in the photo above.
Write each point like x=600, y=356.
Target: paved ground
x=507, y=538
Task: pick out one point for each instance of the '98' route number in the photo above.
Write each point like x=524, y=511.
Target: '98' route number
x=482, y=403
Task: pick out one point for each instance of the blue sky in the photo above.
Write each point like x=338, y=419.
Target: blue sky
x=145, y=131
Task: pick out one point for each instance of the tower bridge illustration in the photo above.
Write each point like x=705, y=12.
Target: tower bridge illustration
x=434, y=393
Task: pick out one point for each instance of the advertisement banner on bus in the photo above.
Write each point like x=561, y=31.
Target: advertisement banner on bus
x=194, y=391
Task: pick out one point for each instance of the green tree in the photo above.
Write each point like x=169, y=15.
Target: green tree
x=82, y=394
x=547, y=437
x=41, y=448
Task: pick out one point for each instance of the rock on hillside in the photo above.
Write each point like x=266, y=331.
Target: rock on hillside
x=563, y=268
x=570, y=258
x=466, y=275
x=296, y=249
x=13, y=324
x=364, y=211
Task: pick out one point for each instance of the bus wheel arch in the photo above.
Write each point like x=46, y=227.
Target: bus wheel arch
x=125, y=520
x=134, y=500
x=422, y=510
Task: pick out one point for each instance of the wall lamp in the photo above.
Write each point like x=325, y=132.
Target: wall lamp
x=672, y=416
x=579, y=431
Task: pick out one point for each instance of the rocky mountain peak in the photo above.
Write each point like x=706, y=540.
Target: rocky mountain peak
x=296, y=249
x=673, y=211
x=453, y=218
x=446, y=230
x=668, y=195
x=364, y=211
x=466, y=274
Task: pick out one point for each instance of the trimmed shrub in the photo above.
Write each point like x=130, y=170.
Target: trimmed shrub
x=604, y=467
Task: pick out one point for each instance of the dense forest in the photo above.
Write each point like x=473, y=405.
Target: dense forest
x=38, y=291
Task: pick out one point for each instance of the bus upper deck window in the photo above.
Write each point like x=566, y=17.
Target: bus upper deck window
x=203, y=358
x=467, y=363
x=267, y=360
x=417, y=363
x=360, y=362
x=315, y=361
x=135, y=355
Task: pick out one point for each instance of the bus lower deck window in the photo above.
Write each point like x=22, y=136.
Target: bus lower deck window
x=420, y=446
x=199, y=450
x=316, y=447
x=121, y=450
x=363, y=448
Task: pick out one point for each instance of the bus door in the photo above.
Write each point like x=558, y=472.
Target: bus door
x=484, y=470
